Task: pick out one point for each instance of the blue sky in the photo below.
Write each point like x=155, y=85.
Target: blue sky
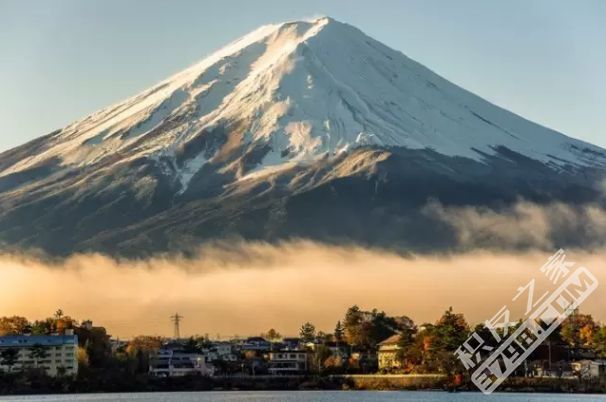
x=63, y=59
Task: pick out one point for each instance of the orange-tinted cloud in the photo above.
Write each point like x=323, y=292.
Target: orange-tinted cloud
x=247, y=288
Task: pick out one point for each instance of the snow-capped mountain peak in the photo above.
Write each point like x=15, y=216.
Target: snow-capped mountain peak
x=293, y=92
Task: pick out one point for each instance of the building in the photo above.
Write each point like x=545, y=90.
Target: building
x=602, y=366
x=175, y=363
x=387, y=353
x=55, y=354
x=586, y=369
x=256, y=344
x=221, y=351
x=287, y=362
x=291, y=343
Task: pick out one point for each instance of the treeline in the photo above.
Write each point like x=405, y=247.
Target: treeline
x=430, y=347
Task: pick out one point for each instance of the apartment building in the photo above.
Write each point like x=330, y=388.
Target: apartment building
x=53, y=353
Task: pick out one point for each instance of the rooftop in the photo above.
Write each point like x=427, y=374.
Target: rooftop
x=392, y=340
x=44, y=340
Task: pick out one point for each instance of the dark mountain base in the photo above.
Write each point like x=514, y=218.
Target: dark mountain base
x=397, y=204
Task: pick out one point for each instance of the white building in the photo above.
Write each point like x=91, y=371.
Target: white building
x=220, y=351
x=173, y=363
x=587, y=369
x=53, y=353
x=287, y=362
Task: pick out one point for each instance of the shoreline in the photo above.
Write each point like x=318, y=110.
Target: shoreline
x=19, y=384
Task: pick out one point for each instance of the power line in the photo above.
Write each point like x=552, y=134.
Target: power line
x=176, y=319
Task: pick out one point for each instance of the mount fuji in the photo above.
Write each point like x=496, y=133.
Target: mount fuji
x=306, y=129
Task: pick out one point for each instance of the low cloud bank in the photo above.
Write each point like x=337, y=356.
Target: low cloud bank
x=279, y=287
x=525, y=225
x=246, y=288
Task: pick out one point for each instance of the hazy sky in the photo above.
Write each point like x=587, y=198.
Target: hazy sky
x=63, y=59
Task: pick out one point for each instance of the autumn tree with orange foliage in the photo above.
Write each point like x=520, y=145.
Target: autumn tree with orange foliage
x=14, y=325
x=145, y=344
x=579, y=329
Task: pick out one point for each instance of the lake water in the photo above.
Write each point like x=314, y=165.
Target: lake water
x=310, y=396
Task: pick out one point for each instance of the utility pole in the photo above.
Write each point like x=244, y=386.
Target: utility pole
x=176, y=319
x=549, y=343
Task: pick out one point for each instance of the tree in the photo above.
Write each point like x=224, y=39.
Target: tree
x=379, y=327
x=191, y=346
x=599, y=341
x=367, y=329
x=308, y=332
x=322, y=337
x=339, y=332
x=43, y=327
x=443, y=339
x=96, y=343
x=38, y=352
x=82, y=357
x=63, y=323
x=451, y=331
x=408, y=353
x=58, y=314
x=579, y=329
x=272, y=335
x=14, y=325
x=354, y=317
x=320, y=356
x=325, y=338
x=8, y=357
x=334, y=363
x=148, y=344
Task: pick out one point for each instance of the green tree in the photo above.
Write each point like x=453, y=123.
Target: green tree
x=379, y=327
x=308, y=332
x=354, y=318
x=38, y=352
x=192, y=346
x=323, y=337
x=408, y=353
x=43, y=327
x=450, y=331
x=599, y=341
x=272, y=335
x=339, y=332
x=8, y=357
x=444, y=338
x=368, y=329
x=96, y=343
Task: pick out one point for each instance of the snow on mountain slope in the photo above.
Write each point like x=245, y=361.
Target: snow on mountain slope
x=302, y=90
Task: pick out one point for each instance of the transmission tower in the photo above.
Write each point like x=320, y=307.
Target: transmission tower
x=176, y=319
